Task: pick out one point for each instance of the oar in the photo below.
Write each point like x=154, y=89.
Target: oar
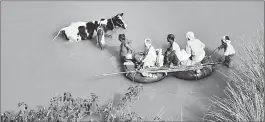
x=116, y=73
x=212, y=53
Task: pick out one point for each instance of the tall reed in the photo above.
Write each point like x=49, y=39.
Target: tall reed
x=244, y=94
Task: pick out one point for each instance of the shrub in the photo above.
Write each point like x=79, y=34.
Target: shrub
x=244, y=101
x=66, y=108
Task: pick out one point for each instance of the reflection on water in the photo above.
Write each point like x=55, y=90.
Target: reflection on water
x=34, y=68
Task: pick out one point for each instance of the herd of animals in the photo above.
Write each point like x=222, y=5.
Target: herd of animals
x=137, y=66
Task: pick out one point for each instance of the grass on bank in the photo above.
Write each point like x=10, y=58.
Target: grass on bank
x=244, y=101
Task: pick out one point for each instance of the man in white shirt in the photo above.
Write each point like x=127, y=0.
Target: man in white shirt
x=195, y=48
x=150, y=54
x=229, y=50
x=149, y=58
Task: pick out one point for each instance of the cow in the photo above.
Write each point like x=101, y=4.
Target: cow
x=81, y=30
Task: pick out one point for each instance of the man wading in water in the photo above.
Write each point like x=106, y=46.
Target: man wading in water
x=229, y=51
x=126, y=50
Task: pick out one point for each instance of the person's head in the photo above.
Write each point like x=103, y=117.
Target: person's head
x=159, y=52
x=147, y=42
x=225, y=39
x=121, y=37
x=170, y=38
x=190, y=35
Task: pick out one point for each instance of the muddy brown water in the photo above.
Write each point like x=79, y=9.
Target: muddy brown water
x=33, y=67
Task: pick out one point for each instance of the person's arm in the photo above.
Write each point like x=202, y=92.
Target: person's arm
x=221, y=47
x=169, y=49
x=139, y=66
x=145, y=57
x=129, y=47
x=149, y=54
x=188, y=49
x=177, y=50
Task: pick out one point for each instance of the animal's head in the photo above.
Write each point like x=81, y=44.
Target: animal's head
x=118, y=21
x=103, y=22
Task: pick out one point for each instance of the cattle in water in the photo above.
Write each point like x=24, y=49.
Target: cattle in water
x=81, y=30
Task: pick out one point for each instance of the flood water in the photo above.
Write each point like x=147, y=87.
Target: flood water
x=33, y=67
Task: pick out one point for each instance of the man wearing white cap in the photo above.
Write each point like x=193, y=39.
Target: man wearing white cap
x=195, y=48
x=150, y=54
x=149, y=57
x=229, y=50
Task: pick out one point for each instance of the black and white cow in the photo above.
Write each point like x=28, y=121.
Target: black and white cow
x=78, y=31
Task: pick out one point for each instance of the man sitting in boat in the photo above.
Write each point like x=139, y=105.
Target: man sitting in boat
x=195, y=48
x=171, y=55
x=149, y=54
x=126, y=50
x=183, y=57
x=149, y=57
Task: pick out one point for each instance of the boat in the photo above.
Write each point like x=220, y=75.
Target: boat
x=133, y=75
x=205, y=71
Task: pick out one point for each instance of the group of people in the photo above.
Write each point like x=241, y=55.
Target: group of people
x=193, y=54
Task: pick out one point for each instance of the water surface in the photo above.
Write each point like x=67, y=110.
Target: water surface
x=33, y=67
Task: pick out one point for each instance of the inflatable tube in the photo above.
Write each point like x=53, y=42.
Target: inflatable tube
x=193, y=75
x=138, y=77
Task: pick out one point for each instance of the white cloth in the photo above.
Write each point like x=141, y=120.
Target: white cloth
x=190, y=35
x=150, y=58
x=159, y=58
x=196, y=48
x=195, y=59
x=230, y=49
x=176, y=48
x=183, y=55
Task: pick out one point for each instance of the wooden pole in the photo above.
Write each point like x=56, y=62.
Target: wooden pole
x=163, y=69
x=116, y=73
